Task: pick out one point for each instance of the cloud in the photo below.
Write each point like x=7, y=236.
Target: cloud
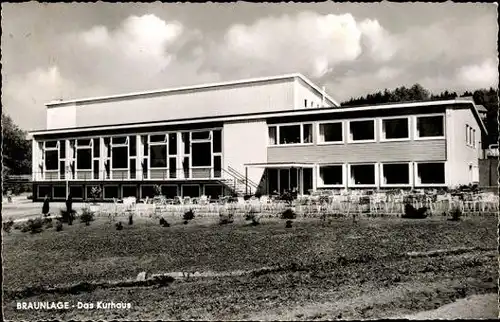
x=479, y=75
x=307, y=42
x=29, y=92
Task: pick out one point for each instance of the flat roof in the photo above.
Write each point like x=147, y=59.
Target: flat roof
x=205, y=86
x=264, y=115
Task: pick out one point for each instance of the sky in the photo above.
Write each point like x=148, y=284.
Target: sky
x=77, y=50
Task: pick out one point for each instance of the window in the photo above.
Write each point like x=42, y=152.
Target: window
x=119, y=140
x=83, y=142
x=330, y=132
x=83, y=159
x=145, y=146
x=205, y=135
x=147, y=191
x=129, y=191
x=97, y=145
x=50, y=144
x=59, y=192
x=395, y=128
x=202, y=154
x=363, y=174
x=133, y=145
x=272, y=135
x=430, y=126
x=362, y=130
x=169, y=191
x=289, y=134
x=187, y=145
x=172, y=167
x=217, y=144
x=331, y=175
x=396, y=173
x=305, y=103
x=474, y=138
x=172, y=143
x=119, y=157
x=214, y=191
x=431, y=173
x=467, y=132
x=158, y=138
x=76, y=192
x=217, y=166
x=62, y=149
x=158, y=156
x=307, y=133
x=190, y=191
x=110, y=192
x=51, y=160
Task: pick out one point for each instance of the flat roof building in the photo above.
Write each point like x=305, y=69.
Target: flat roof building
x=264, y=134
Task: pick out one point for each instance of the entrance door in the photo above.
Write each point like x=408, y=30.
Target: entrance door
x=284, y=180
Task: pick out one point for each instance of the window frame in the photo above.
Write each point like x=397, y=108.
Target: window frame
x=416, y=135
x=396, y=185
x=351, y=140
x=118, y=145
x=319, y=180
x=278, y=134
x=418, y=182
x=363, y=185
x=382, y=133
x=318, y=133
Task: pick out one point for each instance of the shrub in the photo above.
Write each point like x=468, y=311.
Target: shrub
x=95, y=193
x=253, y=217
x=164, y=223
x=157, y=190
x=47, y=222
x=45, y=207
x=87, y=216
x=119, y=225
x=29, y=197
x=288, y=214
x=412, y=213
x=185, y=222
x=7, y=226
x=67, y=217
x=456, y=214
x=59, y=226
x=288, y=224
x=35, y=225
x=188, y=215
x=225, y=218
x=130, y=219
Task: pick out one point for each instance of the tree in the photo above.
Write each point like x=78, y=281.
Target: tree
x=16, y=150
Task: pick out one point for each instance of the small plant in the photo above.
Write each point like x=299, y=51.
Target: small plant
x=119, y=225
x=45, y=207
x=95, y=193
x=59, y=226
x=7, y=226
x=130, y=219
x=87, y=216
x=288, y=224
x=456, y=214
x=164, y=223
x=188, y=215
x=35, y=225
x=47, y=222
x=185, y=222
x=157, y=190
x=288, y=214
x=67, y=217
x=412, y=213
x=253, y=217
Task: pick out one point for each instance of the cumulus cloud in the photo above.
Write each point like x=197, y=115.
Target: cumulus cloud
x=307, y=42
x=479, y=75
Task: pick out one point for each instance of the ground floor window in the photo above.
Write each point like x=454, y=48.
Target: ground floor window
x=59, y=192
x=214, y=191
x=363, y=174
x=44, y=191
x=147, y=191
x=396, y=173
x=129, y=191
x=76, y=192
x=110, y=192
x=431, y=173
x=169, y=191
x=330, y=175
x=93, y=192
x=272, y=175
x=191, y=191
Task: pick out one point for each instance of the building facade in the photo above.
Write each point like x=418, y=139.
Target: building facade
x=267, y=134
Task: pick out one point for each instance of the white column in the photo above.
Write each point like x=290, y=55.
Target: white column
x=35, y=156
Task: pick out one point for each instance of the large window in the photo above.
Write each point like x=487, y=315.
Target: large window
x=330, y=132
x=362, y=174
x=84, y=159
x=396, y=174
x=331, y=175
x=362, y=130
x=202, y=154
x=158, y=156
x=430, y=126
x=51, y=160
x=217, y=141
x=395, y=128
x=172, y=143
x=290, y=134
x=431, y=173
x=119, y=155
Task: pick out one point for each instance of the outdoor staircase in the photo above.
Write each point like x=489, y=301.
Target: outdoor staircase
x=238, y=183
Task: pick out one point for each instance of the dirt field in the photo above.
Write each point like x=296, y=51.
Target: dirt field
x=338, y=270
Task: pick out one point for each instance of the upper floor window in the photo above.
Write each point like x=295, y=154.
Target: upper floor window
x=290, y=134
x=395, y=129
x=363, y=130
x=430, y=126
x=331, y=132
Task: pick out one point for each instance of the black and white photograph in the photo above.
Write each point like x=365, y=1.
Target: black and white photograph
x=246, y=161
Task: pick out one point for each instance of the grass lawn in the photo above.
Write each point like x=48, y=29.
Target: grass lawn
x=334, y=263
